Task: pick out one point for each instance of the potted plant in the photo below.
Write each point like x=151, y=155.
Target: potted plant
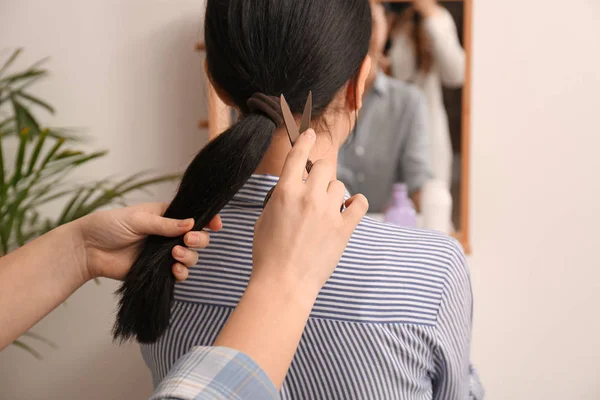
x=35, y=165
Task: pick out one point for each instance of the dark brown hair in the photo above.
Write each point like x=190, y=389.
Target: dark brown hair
x=419, y=37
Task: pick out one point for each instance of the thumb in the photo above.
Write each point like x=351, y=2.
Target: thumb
x=150, y=224
x=356, y=208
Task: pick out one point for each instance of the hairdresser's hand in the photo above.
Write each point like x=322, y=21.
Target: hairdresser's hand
x=112, y=239
x=300, y=237
x=427, y=8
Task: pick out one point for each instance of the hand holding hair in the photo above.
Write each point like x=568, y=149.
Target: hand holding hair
x=113, y=239
x=41, y=275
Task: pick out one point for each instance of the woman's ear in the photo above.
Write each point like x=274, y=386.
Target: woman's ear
x=220, y=92
x=356, y=89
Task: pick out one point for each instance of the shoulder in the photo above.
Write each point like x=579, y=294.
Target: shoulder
x=429, y=255
x=395, y=274
x=399, y=241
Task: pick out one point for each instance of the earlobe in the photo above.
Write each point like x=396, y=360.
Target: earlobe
x=363, y=75
x=356, y=89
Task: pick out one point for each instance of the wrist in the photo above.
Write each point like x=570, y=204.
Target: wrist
x=81, y=250
x=285, y=290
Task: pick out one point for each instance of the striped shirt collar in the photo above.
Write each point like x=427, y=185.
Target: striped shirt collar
x=254, y=191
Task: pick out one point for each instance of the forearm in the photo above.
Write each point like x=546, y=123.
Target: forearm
x=447, y=50
x=37, y=278
x=267, y=326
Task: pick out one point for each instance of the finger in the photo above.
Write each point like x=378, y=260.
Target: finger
x=215, y=224
x=295, y=163
x=150, y=224
x=337, y=192
x=356, y=208
x=180, y=272
x=185, y=256
x=320, y=175
x=196, y=240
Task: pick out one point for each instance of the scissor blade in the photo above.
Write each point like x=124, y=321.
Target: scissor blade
x=307, y=115
x=290, y=122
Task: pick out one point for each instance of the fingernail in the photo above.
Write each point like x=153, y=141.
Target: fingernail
x=185, y=223
x=179, y=253
x=178, y=269
x=193, y=239
x=310, y=134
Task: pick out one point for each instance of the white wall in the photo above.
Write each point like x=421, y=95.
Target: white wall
x=125, y=69
x=535, y=189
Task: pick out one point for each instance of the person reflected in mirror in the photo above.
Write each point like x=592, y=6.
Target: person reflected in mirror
x=390, y=143
x=425, y=50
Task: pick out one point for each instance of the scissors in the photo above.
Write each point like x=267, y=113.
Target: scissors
x=294, y=131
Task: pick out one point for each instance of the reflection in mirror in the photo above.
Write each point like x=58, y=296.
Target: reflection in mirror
x=405, y=154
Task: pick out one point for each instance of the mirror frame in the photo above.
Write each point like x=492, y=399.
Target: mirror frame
x=219, y=119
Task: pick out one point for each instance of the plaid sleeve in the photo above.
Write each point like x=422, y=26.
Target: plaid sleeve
x=215, y=373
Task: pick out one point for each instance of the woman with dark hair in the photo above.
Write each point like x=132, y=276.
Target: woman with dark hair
x=394, y=320
x=425, y=50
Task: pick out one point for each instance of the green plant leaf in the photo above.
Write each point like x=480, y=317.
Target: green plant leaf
x=68, y=134
x=10, y=60
x=108, y=196
x=129, y=179
x=36, y=100
x=53, y=150
x=2, y=180
x=148, y=182
x=72, y=213
x=67, y=154
x=26, y=84
x=24, y=118
x=19, y=221
x=6, y=122
x=90, y=157
x=12, y=214
x=20, y=156
x=48, y=196
x=36, y=151
x=29, y=74
x=40, y=338
x=28, y=349
x=63, y=216
x=3, y=240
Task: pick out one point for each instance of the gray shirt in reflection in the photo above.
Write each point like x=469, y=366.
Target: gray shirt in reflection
x=390, y=144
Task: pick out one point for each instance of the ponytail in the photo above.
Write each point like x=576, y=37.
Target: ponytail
x=215, y=175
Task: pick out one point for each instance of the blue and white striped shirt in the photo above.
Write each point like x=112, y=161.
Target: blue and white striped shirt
x=393, y=322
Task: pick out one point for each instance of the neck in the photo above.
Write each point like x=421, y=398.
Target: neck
x=325, y=148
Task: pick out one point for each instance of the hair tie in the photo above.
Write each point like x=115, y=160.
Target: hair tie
x=266, y=105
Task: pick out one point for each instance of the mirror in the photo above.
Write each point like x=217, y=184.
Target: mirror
x=429, y=49
x=415, y=122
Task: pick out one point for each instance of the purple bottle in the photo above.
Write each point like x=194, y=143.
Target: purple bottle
x=401, y=212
